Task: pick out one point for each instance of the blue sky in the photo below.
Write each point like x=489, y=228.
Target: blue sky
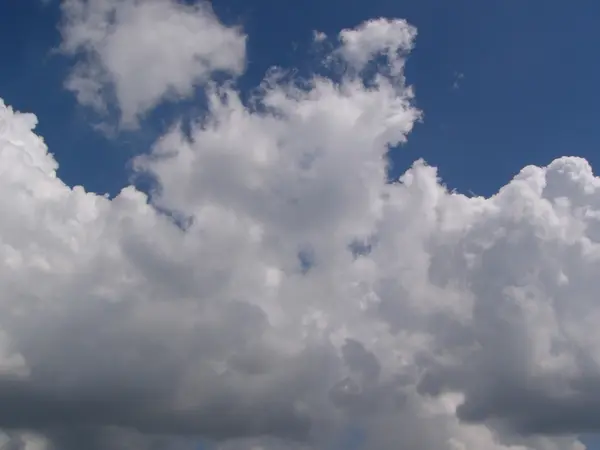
x=527, y=90
x=502, y=84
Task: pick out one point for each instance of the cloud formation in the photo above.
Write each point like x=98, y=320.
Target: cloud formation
x=301, y=300
x=138, y=53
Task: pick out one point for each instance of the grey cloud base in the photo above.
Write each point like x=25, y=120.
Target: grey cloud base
x=463, y=322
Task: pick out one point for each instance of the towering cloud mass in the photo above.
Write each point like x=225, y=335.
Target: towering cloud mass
x=299, y=300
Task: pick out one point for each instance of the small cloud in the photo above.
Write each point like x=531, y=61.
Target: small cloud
x=319, y=36
x=126, y=57
x=458, y=77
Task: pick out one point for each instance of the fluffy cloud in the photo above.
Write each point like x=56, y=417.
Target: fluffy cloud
x=374, y=37
x=299, y=300
x=141, y=52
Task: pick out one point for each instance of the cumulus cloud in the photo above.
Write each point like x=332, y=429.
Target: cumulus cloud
x=141, y=52
x=372, y=38
x=302, y=301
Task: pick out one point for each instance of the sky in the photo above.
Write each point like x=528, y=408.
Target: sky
x=318, y=225
x=502, y=84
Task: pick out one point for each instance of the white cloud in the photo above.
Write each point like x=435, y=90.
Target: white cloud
x=374, y=37
x=143, y=52
x=319, y=36
x=464, y=323
x=458, y=78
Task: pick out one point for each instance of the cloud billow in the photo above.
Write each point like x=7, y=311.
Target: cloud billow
x=464, y=322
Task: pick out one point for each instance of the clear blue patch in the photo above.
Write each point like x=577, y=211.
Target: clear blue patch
x=306, y=260
x=360, y=248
